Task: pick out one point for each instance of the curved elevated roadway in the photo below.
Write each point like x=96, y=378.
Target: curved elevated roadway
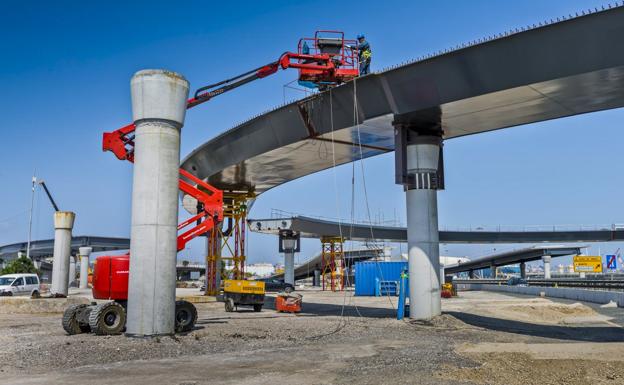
x=556, y=70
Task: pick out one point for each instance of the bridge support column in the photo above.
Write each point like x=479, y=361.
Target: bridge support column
x=63, y=225
x=84, y=252
x=419, y=169
x=493, y=271
x=158, y=108
x=523, y=273
x=546, y=259
x=72, y=270
x=289, y=244
x=317, y=278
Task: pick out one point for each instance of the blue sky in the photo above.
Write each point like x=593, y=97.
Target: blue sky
x=65, y=74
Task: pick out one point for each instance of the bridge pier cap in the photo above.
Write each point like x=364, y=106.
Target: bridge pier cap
x=419, y=168
x=158, y=109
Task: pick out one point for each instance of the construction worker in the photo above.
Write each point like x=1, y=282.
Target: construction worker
x=364, y=54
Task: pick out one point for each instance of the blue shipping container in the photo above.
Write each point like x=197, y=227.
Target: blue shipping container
x=367, y=274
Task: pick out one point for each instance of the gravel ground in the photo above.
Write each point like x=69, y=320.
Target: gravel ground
x=365, y=345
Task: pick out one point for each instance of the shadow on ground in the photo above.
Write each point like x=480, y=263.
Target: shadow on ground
x=574, y=333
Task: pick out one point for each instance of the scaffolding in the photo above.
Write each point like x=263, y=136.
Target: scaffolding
x=227, y=246
x=332, y=263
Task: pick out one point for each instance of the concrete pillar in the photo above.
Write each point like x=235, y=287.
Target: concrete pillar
x=523, y=273
x=158, y=108
x=63, y=224
x=84, y=253
x=493, y=271
x=546, y=259
x=289, y=260
x=422, y=228
x=471, y=274
x=72, y=270
x=317, y=278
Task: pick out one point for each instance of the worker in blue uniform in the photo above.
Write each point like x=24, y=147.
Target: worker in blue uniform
x=364, y=54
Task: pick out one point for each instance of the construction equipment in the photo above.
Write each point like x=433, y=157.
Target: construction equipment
x=238, y=292
x=330, y=63
x=288, y=302
x=45, y=188
x=110, y=282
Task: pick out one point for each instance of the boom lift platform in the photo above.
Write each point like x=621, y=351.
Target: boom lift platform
x=324, y=61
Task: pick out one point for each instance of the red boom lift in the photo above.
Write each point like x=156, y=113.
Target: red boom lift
x=324, y=61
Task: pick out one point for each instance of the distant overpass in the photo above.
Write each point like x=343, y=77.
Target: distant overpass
x=513, y=257
x=45, y=248
x=309, y=227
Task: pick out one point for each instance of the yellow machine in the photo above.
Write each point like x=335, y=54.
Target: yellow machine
x=238, y=292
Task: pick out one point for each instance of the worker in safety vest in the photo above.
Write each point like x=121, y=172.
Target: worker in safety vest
x=364, y=54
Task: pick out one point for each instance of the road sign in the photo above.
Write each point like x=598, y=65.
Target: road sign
x=588, y=264
x=611, y=262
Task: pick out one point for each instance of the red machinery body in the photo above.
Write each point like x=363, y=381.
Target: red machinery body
x=110, y=277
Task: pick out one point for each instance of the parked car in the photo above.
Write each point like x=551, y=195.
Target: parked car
x=517, y=281
x=272, y=284
x=20, y=284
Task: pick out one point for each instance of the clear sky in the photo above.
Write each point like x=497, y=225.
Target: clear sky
x=65, y=74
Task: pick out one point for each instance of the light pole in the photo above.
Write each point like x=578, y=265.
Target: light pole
x=32, y=201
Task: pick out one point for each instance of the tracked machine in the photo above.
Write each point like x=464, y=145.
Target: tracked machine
x=323, y=61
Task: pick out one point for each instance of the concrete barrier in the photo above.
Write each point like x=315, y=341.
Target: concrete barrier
x=594, y=296
x=26, y=305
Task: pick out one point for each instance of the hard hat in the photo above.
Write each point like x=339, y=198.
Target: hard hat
x=360, y=36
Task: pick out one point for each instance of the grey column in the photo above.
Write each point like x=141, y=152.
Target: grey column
x=546, y=259
x=422, y=155
x=317, y=278
x=289, y=260
x=84, y=253
x=158, y=107
x=72, y=270
x=493, y=271
x=471, y=274
x=523, y=273
x=63, y=224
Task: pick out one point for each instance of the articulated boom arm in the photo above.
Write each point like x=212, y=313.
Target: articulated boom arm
x=209, y=199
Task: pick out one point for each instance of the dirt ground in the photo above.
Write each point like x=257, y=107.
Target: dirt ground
x=482, y=338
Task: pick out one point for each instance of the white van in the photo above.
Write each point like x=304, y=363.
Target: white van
x=20, y=284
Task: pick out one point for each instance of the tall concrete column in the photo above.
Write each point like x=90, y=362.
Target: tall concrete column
x=84, y=253
x=72, y=270
x=317, y=278
x=523, y=273
x=546, y=259
x=422, y=155
x=289, y=245
x=471, y=274
x=289, y=261
x=63, y=224
x=158, y=108
x=493, y=271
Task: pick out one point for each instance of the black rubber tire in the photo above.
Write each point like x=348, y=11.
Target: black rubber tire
x=35, y=294
x=257, y=308
x=185, y=316
x=107, y=319
x=71, y=324
x=229, y=305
